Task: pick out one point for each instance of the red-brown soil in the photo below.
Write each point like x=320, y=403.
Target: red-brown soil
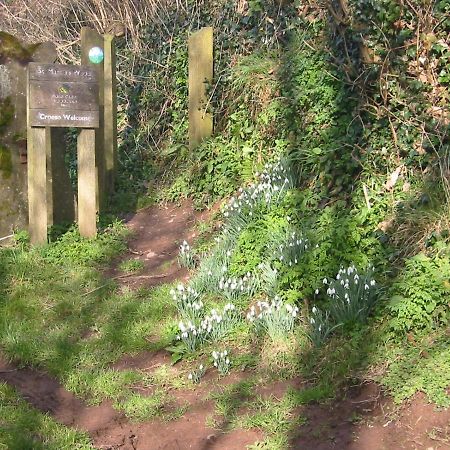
x=368, y=420
x=363, y=420
x=157, y=233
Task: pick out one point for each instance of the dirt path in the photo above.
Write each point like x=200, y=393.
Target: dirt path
x=363, y=420
x=157, y=235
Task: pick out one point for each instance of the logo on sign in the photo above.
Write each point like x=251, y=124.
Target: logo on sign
x=64, y=89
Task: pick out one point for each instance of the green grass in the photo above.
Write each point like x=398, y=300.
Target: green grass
x=277, y=418
x=24, y=428
x=131, y=266
x=228, y=402
x=59, y=314
x=423, y=367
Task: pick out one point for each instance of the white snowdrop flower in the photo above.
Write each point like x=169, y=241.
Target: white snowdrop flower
x=372, y=282
x=316, y=291
x=201, y=367
x=225, y=353
x=172, y=292
x=190, y=376
x=338, y=276
x=215, y=364
x=215, y=355
x=325, y=281
x=366, y=287
x=312, y=321
x=320, y=327
x=346, y=286
x=294, y=313
x=227, y=361
x=295, y=261
x=180, y=287
x=228, y=252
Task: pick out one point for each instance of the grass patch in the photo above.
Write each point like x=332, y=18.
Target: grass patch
x=139, y=408
x=278, y=419
x=228, y=402
x=131, y=266
x=53, y=316
x=423, y=367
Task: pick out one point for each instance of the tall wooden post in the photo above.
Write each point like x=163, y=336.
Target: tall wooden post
x=200, y=75
x=110, y=117
x=39, y=142
x=87, y=183
x=89, y=39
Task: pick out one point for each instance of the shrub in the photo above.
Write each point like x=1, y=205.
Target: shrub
x=420, y=296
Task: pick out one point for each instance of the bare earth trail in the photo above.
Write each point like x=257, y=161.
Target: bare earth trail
x=364, y=420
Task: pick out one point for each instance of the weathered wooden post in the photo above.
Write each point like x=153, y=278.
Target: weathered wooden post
x=61, y=96
x=99, y=52
x=201, y=65
x=90, y=40
x=110, y=116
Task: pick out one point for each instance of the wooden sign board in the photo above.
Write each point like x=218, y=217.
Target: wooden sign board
x=63, y=96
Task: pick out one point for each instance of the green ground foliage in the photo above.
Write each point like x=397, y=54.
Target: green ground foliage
x=331, y=159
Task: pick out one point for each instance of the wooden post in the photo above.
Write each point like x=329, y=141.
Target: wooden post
x=39, y=143
x=87, y=183
x=89, y=39
x=110, y=117
x=200, y=75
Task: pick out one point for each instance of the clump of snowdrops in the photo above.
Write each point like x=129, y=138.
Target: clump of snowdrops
x=276, y=318
x=186, y=256
x=221, y=361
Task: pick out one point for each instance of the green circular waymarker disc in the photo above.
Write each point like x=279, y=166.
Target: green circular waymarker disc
x=96, y=55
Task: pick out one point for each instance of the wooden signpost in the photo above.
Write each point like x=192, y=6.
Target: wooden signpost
x=61, y=96
x=78, y=97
